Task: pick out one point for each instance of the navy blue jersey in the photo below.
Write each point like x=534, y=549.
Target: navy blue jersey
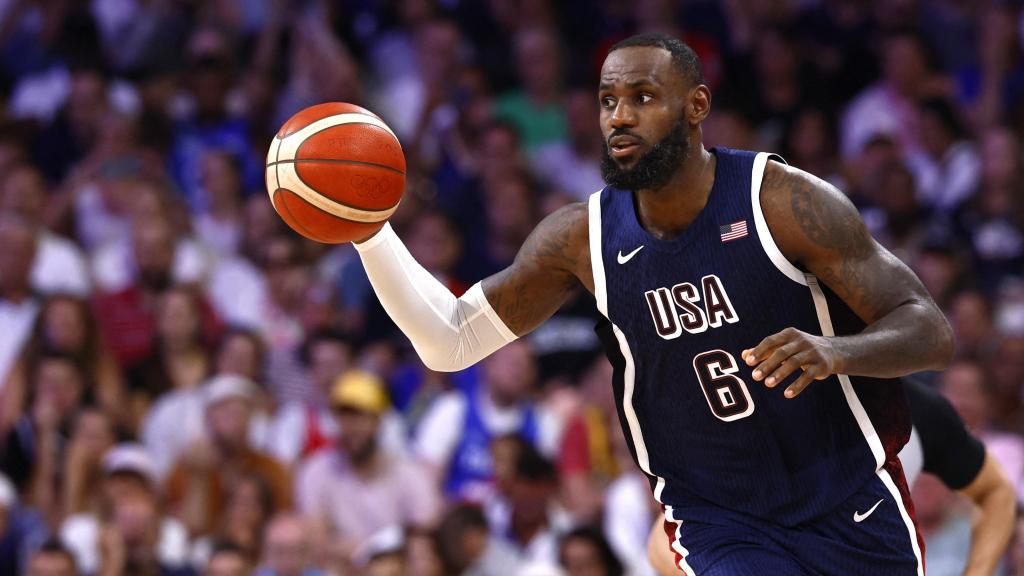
x=707, y=435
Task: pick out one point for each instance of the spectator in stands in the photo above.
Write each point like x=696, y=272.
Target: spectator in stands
x=228, y=559
x=219, y=227
x=52, y=559
x=289, y=547
x=538, y=110
x=992, y=220
x=301, y=428
x=358, y=488
x=127, y=317
x=573, y=166
x=455, y=435
x=59, y=266
x=211, y=125
x=969, y=389
x=527, y=515
x=469, y=548
x=209, y=469
x=948, y=168
x=18, y=305
x=890, y=106
x=21, y=531
x=127, y=474
x=66, y=325
x=129, y=539
x=585, y=552
x=34, y=450
x=179, y=359
x=92, y=435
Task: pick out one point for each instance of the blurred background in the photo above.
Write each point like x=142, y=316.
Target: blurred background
x=188, y=387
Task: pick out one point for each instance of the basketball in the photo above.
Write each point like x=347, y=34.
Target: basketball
x=335, y=172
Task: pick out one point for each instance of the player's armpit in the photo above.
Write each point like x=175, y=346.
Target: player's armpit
x=553, y=262
x=818, y=228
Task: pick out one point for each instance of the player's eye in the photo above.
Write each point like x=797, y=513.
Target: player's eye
x=607, y=102
x=644, y=98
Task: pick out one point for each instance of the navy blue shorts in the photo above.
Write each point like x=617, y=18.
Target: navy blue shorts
x=872, y=533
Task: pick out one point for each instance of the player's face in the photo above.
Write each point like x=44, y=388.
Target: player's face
x=642, y=98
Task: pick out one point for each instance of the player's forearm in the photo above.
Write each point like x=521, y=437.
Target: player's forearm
x=991, y=530
x=913, y=337
x=448, y=333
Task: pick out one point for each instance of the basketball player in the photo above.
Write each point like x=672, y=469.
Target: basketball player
x=731, y=282
x=941, y=445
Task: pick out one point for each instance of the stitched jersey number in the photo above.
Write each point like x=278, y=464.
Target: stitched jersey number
x=727, y=395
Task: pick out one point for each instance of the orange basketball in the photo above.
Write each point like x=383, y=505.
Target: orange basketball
x=335, y=172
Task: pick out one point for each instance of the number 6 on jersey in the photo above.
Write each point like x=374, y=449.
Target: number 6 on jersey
x=726, y=394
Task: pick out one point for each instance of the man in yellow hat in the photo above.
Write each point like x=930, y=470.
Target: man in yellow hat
x=359, y=488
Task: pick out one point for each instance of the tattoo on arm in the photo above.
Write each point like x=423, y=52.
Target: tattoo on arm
x=817, y=226
x=839, y=229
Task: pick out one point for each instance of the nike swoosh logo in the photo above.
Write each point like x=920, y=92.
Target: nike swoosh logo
x=858, y=517
x=623, y=259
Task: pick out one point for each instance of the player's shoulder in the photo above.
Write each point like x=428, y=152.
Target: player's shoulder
x=563, y=234
x=783, y=180
x=805, y=213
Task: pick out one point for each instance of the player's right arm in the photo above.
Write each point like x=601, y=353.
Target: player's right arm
x=452, y=333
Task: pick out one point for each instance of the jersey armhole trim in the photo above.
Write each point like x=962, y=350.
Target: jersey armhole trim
x=763, y=233
x=596, y=256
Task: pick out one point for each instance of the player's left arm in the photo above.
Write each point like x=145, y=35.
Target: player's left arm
x=992, y=525
x=817, y=227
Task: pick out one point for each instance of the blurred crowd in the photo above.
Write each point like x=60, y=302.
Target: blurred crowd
x=189, y=387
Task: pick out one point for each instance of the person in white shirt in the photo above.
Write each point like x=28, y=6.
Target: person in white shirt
x=455, y=434
x=59, y=266
x=18, y=304
x=128, y=471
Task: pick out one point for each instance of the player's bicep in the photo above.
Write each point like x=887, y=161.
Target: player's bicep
x=818, y=227
x=545, y=271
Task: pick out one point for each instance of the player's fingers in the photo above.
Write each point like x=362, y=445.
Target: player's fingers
x=773, y=361
x=767, y=345
x=794, y=389
x=786, y=368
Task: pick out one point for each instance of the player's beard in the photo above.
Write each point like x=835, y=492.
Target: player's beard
x=655, y=168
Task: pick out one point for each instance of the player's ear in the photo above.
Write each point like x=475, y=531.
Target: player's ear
x=699, y=105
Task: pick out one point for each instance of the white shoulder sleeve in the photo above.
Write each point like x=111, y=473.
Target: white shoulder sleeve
x=448, y=333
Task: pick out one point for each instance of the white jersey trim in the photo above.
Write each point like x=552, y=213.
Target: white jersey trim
x=596, y=257
x=863, y=420
x=677, y=545
x=767, y=242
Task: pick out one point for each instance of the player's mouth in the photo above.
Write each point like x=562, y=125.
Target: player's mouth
x=622, y=146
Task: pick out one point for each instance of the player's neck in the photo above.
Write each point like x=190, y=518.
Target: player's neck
x=668, y=211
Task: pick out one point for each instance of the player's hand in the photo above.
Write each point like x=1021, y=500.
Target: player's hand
x=782, y=353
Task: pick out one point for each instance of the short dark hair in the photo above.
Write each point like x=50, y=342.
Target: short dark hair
x=684, y=58
x=595, y=537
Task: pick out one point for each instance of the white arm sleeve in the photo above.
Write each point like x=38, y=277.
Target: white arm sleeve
x=448, y=333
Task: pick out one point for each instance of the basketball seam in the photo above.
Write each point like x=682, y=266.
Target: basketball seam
x=349, y=220
x=335, y=200
x=372, y=116
x=305, y=231
x=338, y=161
x=357, y=123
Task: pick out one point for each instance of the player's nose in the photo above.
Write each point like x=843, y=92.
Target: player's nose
x=622, y=115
